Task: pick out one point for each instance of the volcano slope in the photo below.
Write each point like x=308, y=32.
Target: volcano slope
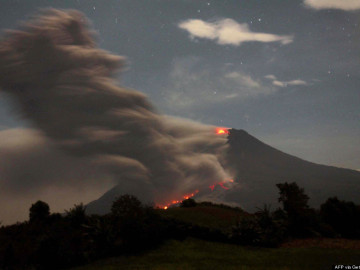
x=258, y=167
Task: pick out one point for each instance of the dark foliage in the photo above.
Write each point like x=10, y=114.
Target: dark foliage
x=293, y=198
x=61, y=241
x=264, y=228
x=76, y=215
x=39, y=211
x=297, y=220
x=342, y=216
x=301, y=219
x=127, y=206
x=224, y=206
x=188, y=203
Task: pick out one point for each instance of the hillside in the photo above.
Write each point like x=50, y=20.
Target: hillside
x=205, y=215
x=258, y=167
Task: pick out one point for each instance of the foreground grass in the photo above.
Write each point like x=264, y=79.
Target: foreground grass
x=197, y=254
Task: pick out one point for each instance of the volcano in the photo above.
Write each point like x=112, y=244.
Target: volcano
x=257, y=168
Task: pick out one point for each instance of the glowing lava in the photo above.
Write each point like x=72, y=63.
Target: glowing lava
x=218, y=131
x=221, y=184
x=222, y=131
x=185, y=197
x=190, y=195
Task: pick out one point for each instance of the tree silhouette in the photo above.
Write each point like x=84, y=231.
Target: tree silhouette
x=293, y=198
x=76, y=215
x=39, y=211
x=188, y=203
x=301, y=218
x=127, y=206
x=342, y=216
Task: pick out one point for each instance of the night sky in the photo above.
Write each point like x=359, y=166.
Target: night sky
x=296, y=87
x=288, y=72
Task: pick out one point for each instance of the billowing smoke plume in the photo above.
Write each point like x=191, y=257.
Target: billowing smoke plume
x=63, y=84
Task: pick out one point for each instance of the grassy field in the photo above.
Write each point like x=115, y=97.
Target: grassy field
x=197, y=254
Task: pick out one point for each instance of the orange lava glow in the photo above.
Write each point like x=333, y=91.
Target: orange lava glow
x=221, y=184
x=222, y=131
x=185, y=197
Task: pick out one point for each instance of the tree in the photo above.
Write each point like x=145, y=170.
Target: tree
x=131, y=223
x=342, y=216
x=301, y=219
x=188, y=203
x=39, y=211
x=77, y=215
x=293, y=198
x=127, y=206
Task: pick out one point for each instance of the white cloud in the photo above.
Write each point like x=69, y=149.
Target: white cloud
x=199, y=28
x=279, y=83
x=194, y=83
x=287, y=83
x=333, y=4
x=270, y=77
x=229, y=32
x=234, y=95
x=242, y=79
x=297, y=82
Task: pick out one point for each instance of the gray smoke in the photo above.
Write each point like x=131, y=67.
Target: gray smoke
x=63, y=84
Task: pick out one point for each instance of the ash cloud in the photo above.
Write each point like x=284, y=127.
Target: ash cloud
x=32, y=168
x=63, y=84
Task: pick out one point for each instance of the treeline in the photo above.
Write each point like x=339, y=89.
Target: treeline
x=57, y=241
x=295, y=219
